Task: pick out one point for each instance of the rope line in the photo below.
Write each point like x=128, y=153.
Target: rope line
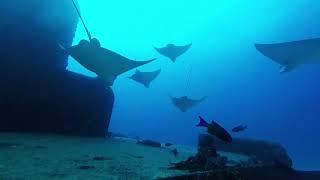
x=84, y=25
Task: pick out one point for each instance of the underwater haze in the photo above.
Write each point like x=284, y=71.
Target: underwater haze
x=242, y=85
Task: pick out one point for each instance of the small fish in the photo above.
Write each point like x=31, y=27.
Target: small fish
x=175, y=152
x=101, y=158
x=216, y=130
x=149, y=143
x=85, y=167
x=239, y=128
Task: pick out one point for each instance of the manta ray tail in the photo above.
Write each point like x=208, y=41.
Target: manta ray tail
x=84, y=25
x=147, y=85
x=287, y=68
x=173, y=59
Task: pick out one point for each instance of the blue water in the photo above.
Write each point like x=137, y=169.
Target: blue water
x=242, y=85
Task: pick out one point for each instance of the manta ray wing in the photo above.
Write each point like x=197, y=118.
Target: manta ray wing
x=84, y=55
x=193, y=102
x=179, y=50
x=292, y=53
x=178, y=103
x=148, y=77
x=183, y=106
x=189, y=103
x=146, y=83
x=118, y=64
x=154, y=74
x=103, y=61
x=163, y=51
x=106, y=64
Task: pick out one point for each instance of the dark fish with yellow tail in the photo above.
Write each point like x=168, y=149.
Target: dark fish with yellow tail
x=216, y=130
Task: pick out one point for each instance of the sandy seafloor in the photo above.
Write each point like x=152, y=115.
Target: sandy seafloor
x=41, y=157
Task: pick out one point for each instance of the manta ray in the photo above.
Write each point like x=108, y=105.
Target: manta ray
x=145, y=78
x=105, y=63
x=172, y=51
x=184, y=103
x=292, y=54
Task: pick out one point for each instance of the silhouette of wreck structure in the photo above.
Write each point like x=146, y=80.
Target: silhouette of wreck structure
x=37, y=93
